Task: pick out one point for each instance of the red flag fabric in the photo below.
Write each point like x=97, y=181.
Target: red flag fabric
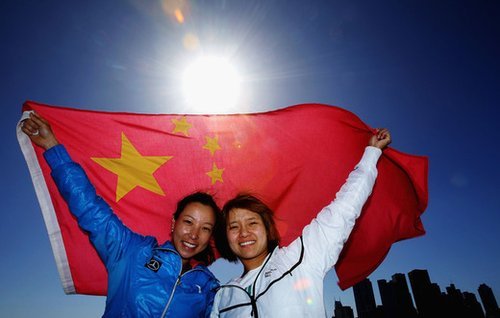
x=295, y=159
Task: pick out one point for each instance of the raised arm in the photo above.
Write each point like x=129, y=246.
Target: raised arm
x=325, y=237
x=94, y=215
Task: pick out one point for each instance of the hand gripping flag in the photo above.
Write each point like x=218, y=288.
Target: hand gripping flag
x=295, y=159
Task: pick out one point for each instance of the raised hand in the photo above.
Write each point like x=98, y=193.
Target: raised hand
x=381, y=138
x=39, y=131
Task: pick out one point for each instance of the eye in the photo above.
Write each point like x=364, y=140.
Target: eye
x=233, y=227
x=207, y=229
x=187, y=221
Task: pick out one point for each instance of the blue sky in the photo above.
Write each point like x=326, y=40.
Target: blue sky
x=428, y=70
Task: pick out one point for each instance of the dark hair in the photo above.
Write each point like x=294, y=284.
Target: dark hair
x=248, y=202
x=207, y=256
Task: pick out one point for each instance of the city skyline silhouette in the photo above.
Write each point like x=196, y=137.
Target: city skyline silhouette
x=421, y=298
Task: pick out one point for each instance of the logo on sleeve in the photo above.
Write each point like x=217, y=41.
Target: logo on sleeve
x=153, y=264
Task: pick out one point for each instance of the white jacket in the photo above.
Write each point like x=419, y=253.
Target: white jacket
x=290, y=281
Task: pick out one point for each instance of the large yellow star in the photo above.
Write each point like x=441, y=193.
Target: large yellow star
x=215, y=174
x=181, y=126
x=212, y=144
x=133, y=169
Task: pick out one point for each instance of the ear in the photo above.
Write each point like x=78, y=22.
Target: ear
x=173, y=225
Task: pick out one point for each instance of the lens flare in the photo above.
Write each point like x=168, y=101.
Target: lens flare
x=176, y=9
x=302, y=284
x=190, y=42
x=179, y=16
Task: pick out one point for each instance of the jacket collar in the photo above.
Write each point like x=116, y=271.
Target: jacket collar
x=195, y=265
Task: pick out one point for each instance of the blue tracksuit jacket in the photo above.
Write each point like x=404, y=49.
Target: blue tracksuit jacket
x=144, y=278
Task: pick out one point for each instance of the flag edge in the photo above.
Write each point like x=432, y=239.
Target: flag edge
x=47, y=209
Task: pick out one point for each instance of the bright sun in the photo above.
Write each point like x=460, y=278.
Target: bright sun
x=211, y=84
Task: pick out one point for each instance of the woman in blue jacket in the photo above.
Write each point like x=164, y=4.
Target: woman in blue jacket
x=145, y=279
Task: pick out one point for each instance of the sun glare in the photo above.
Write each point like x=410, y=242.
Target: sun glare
x=211, y=85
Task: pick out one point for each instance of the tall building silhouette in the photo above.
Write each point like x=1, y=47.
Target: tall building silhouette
x=396, y=298
x=472, y=306
x=489, y=301
x=341, y=311
x=427, y=295
x=388, y=299
x=454, y=302
x=365, y=299
x=403, y=296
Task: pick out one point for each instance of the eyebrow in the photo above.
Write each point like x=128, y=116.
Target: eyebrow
x=252, y=218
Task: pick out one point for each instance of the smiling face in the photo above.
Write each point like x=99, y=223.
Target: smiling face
x=247, y=237
x=192, y=230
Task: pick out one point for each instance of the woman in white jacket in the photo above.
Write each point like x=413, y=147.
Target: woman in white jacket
x=288, y=281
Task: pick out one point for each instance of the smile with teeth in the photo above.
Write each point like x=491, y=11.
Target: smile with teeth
x=247, y=243
x=189, y=245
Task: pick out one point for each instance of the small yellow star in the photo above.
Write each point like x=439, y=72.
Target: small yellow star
x=133, y=169
x=181, y=126
x=215, y=174
x=212, y=144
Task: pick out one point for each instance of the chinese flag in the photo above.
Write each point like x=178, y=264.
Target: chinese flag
x=295, y=159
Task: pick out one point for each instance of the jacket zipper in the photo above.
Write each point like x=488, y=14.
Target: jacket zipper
x=177, y=282
x=253, y=302
x=255, y=312
x=253, y=297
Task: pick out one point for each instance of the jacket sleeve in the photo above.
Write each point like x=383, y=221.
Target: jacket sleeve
x=326, y=235
x=107, y=233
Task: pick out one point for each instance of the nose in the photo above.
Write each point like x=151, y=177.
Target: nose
x=243, y=231
x=194, y=233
